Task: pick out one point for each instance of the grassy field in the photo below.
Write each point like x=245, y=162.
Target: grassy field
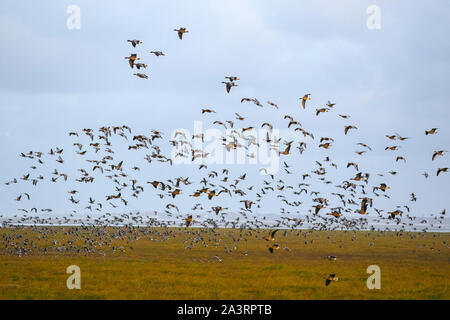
x=413, y=266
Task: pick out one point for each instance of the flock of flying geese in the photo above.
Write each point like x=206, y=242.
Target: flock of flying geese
x=133, y=58
x=98, y=150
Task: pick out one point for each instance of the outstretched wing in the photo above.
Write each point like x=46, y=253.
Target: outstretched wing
x=273, y=233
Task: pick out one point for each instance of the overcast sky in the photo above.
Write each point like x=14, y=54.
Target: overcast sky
x=393, y=79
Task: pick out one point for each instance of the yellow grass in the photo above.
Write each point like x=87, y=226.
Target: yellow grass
x=165, y=270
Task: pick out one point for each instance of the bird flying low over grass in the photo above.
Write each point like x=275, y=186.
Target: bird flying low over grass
x=331, y=277
x=274, y=247
x=188, y=220
x=271, y=236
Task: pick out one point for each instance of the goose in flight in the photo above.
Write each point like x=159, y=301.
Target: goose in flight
x=171, y=205
x=134, y=42
x=353, y=164
x=274, y=247
x=141, y=75
x=247, y=204
x=272, y=104
x=364, y=145
x=325, y=145
x=318, y=207
x=364, y=205
x=441, y=170
x=286, y=151
x=268, y=125
x=180, y=32
x=335, y=214
x=330, y=105
x=188, y=220
x=271, y=236
x=331, y=277
x=218, y=209
x=229, y=85
x=393, y=148
x=399, y=137
x=132, y=58
x=141, y=65
x=318, y=111
x=305, y=97
x=392, y=214
x=431, y=131
x=158, y=53
x=348, y=128
x=437, y=153
x=175, y=192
